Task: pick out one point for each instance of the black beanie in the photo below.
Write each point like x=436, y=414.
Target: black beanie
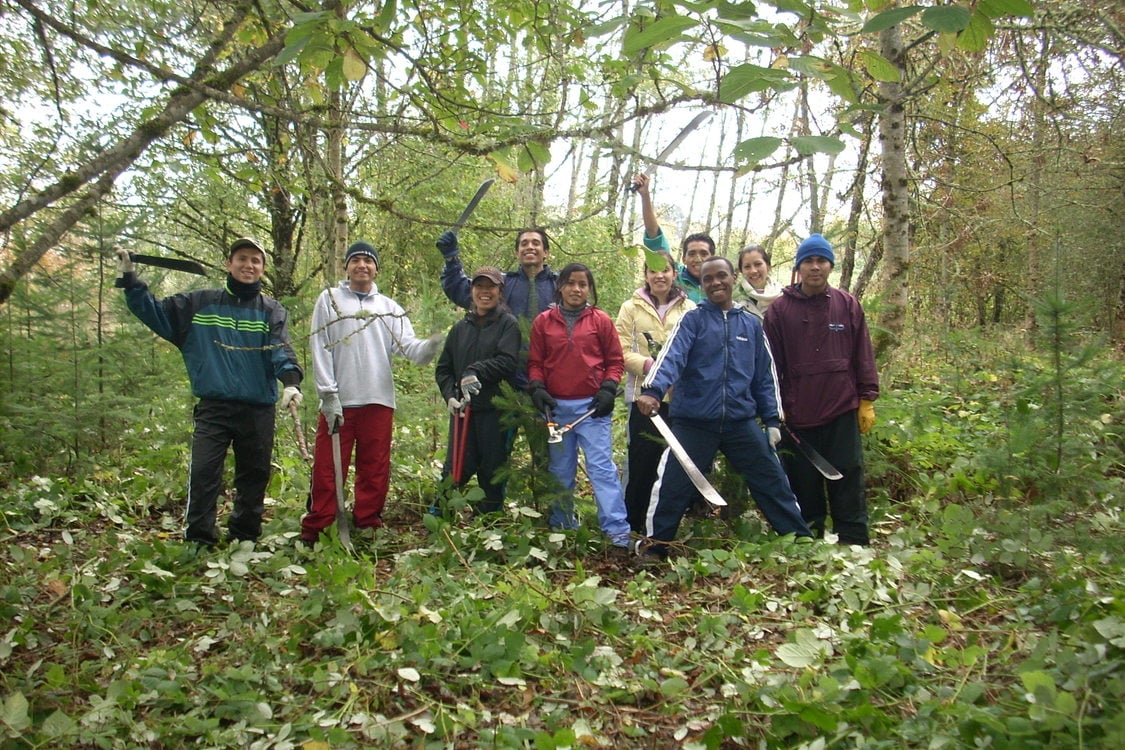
x=361, y=248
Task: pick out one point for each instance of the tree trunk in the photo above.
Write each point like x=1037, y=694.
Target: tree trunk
x=855, y=210
x=1036, y=263
x=337, y=229
x=896, y=198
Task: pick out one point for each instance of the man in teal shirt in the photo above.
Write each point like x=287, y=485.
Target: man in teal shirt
x=695, y=249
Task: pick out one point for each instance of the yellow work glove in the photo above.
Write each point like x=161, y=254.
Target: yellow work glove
x=866, y=416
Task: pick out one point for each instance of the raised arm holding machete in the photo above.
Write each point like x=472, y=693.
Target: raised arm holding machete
x=528, y=291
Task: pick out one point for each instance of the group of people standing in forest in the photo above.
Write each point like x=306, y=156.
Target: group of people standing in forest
x=726, y=355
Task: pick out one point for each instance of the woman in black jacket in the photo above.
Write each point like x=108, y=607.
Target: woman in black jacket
x=481, y=351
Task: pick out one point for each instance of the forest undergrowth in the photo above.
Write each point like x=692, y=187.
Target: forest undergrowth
x=988, y=612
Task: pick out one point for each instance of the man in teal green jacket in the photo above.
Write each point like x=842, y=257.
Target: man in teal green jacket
x=235, y=345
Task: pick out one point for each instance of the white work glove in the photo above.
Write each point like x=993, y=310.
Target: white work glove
x=455, y=405
x=126, y=271
x=431, y=348
x=470, y=385
x=291, y=394
x=125, y=263
x=332, y=411
x=774, y=434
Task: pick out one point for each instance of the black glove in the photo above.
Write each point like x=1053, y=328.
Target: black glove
x=540, y=399
x=604, y=399
x=447, y=243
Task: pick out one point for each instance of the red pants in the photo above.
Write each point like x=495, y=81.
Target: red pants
x=368, y=429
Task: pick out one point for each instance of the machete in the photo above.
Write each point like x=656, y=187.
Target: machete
x=176, y=264
x=342, y=529
x=464, y=218
x=827, y=470
x=710, y=494
x=663, y=155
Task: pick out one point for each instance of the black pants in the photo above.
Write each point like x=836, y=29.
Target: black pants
x=645, y=448
x=218, y=426
x=844, y=499
x=486, y=450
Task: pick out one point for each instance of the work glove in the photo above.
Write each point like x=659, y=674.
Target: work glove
x=540, y=399
x=291, y=395
x=866, y=416
x=470, y=385
x=431, y=348
x=454, y=405
x=332, y=410
x=447, y=243
x=774, y=435
x=126, y=270
x=604, y=399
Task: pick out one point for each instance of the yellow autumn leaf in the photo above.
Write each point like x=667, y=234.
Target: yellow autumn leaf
x=952, y=620
x=507, y=173
x=714, y=52
x=315, y=745
x=354, y=66
x=781, y=62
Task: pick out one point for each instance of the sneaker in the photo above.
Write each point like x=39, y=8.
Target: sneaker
x=646, y=556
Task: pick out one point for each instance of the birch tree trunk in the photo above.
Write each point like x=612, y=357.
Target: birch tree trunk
x=856, y=206
x=896, y=198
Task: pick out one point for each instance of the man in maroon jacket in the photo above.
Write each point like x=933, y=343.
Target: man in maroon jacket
x=826, y=372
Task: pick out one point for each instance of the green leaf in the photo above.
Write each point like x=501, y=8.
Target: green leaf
x=797, y=655
x=1040, y=684
x=998, y=8
x=975, y=38
x=386, y=15
x=879, y=67
x=14, y=713
x=654, y=260
x=746, y=79
x=947, y=18
x=605, y=27
x=807, y=145
x=533, y=156
x=58, y=724
x=673, y=686
x=666, y=29
x=807, y=650
x=1112, y=629
x=889, y=18
x=756, y=149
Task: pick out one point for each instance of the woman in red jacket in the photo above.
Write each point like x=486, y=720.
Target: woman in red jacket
x=574, y=367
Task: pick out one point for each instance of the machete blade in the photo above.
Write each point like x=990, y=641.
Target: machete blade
x=464, y=218
x=710, y=494
x=663, y=155
x=175, y=264
x=827, y=470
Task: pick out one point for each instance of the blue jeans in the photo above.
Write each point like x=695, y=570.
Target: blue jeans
x=595, y=436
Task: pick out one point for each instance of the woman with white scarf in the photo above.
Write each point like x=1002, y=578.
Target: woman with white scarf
x=756, y=289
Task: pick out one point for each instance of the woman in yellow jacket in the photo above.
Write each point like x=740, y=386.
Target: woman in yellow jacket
x=643, y=324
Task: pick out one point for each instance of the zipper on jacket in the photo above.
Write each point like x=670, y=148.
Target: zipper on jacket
x=726, y=362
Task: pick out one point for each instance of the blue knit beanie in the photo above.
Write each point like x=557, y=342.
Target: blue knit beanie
x=814, y=245
x=361, y=248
